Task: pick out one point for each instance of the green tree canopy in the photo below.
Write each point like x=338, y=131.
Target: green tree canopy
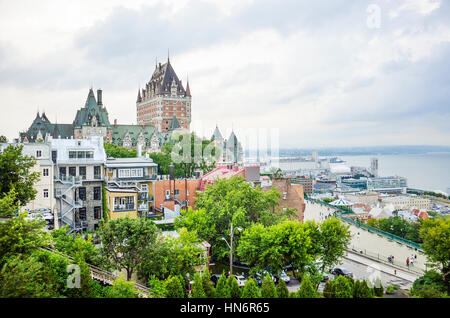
x=234, y=290
x=16, y=173
x=197, y=287
x=282, y=289
x=342, y=288
x=222, y=290
x=115, y=151
x=251, y=289
x=174, y=288
x=268, y=289
x=122, y=289
x=126, y=242
x=306, y=290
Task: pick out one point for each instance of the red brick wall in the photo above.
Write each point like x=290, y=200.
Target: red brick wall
x=160, y=187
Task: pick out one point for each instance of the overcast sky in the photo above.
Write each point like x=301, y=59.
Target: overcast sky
x=324, y=73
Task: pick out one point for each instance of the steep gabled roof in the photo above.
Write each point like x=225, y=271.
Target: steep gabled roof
x=174, y=124
x=217, y=135
x=90, y=109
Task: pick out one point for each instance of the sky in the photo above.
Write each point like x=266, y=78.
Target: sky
x=315, y=73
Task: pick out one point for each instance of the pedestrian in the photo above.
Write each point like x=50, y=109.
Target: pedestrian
x=415, y=256
x=412, y=261
x=395, y=272
x=407, y=261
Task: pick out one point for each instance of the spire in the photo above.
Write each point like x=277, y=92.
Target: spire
x=139, y=98
x=168, y=57
x=188, y=90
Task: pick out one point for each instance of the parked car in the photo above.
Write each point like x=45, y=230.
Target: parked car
x=241, y=280
x=215, y=278
x=258, y=278
x=338, y=271
x=283, y=276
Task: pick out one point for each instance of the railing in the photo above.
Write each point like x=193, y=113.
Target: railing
x=342, y=212
x=106, y=276
x=125, y=207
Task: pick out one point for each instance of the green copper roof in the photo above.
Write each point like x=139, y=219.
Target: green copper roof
x=174, y=124
x=91, y=109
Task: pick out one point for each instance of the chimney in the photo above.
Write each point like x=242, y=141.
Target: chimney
x=99, y=97
x=115, y=123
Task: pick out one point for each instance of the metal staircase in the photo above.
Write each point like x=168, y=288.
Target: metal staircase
x=65, y=196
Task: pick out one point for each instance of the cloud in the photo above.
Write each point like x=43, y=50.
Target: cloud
x=315, y=71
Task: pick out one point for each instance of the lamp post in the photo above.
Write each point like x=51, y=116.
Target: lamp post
x=231, y=246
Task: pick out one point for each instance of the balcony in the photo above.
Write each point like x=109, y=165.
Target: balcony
x=124, y=207
x=143, y=207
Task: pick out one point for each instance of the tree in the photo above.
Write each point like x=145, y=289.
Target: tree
x=197, y=287
x=342, y=288
x=21, y=236
x=328, y=291
x=268, y=289
x=222, y=290
x=122, y=289
x=126, y=242
x=251, y=289
x=430, y=285
x=87, y=288
x=276, y=246
x=334, y=239
x=158, y=287
x=3, y=139
x=116, y=151
x=436, y=244
x=15, y=173
x=23, y=276
x=378, y=288
x=174, y=288
x=362, y=290
x=208, y=285
x=172, y=256
x=233, y=286
x=282, y=289
x=306, y=289
x=228, y=200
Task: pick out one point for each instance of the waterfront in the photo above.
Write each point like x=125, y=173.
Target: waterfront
x=430, y=171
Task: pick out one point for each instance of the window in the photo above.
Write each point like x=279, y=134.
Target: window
x=167, y=193
x=82, y=193
x=177, y=191
x=83, y=172
x=82, y=214
x=45, y=172
x=144, y=188
x=38, y=153
x=81, y=154
x=72, y=154
x=72, y=171
x=89, y=154
x=62, y=171
x=54, y=155
x=97, y=172
x=133, y=173
x=97, y=211
x=45, y=193
x=97, y=193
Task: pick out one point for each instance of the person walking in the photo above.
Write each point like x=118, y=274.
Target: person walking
x=407, y=261
x=412, y=261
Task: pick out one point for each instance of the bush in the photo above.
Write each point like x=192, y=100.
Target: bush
x=430, y=285
x=342, y=288
x=268, y=289
x=222, y=290
x=174, y=289
x=328, y=291
x=208, y=285
x=122, y=289
x=307, y=289
x=234, y=290
x=197, y=287
x=282, y=289
x=392, y=289
x=251, y=289
x=362, y=290
x=378, y=288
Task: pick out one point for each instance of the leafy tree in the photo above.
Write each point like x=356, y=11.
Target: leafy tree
x=116, y=151
x=430, y=285
x=334, y=239
x=233, y=286
x=87, y=287
x=126, y=242
x=57, y=268
x=174, y=288
x=275, y=246
x=268, y=289
x=306, y=289
x=342, y=288
x=172, y=256
x=122, y=289
x=282, y=289
x=71, y=245
x=228, y=200
x=251, y=289
x=23, y=276
x=9, y=205
x=436, y=244
x=222, y=290
x=197, y=287
x=158, y=287
x=15, y=173
x=21, y=236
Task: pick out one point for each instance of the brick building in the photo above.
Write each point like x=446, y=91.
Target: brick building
x=164, y=100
